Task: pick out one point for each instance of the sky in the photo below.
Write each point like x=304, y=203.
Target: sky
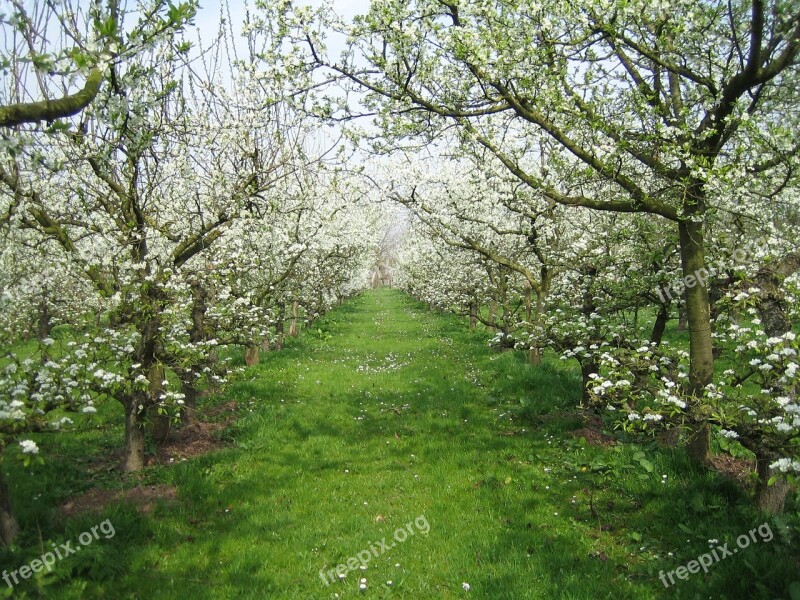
x=208, y=16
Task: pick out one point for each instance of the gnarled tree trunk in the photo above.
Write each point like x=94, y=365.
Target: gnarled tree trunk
x=159, y=418
x=133, y=460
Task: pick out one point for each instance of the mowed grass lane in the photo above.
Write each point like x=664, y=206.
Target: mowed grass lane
x=388, y=417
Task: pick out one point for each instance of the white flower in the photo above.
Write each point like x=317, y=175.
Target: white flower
x=466, y=586
x=633, y=417
x=88, y=410
x=653, y=417
x=784, y=465
x=728, y=434
x=29, y=447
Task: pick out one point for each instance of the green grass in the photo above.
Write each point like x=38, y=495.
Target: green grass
x=383, y=414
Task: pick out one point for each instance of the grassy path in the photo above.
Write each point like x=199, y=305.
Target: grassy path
x=391, y=418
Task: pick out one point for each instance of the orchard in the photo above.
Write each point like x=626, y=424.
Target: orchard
x=280, y=280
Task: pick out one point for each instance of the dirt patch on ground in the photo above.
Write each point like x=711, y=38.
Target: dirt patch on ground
x=740, y=469
x=592, y=431
x=594, y=437
x=198, y=438
x=194, y=440
x=144, y=498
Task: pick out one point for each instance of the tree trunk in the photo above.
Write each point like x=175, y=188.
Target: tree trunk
x=698, y=446
x=682, y=316
x=8, y=523
x=773, y=307
x=534, y=356
x=769, y=498
x=134, y=437
x=251, y=355
x=159, y=417
x=660, y=325
x=774, y=317
x=279, y=324
x=717, y=288
x=588, y=367
x=537, y=314
x=190, y=395
x=701, y=357
x=200, y=295
x=503, y=290
x=473, y=314
x=293, y=329
x=44, y=323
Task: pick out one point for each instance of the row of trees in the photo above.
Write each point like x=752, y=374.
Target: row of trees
x=638, y=144
x=186, y=207
x=601, y=291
